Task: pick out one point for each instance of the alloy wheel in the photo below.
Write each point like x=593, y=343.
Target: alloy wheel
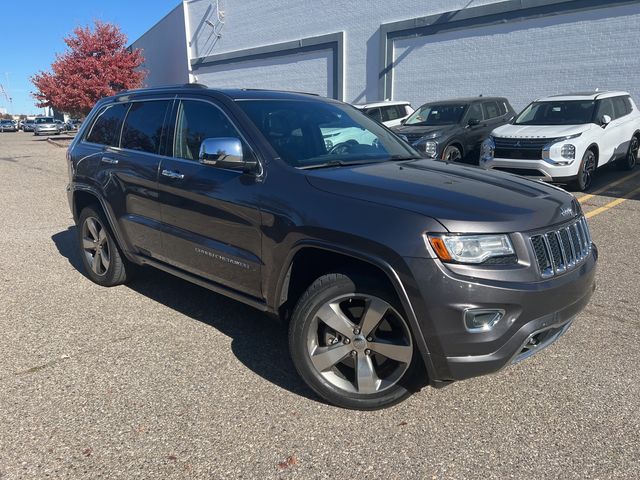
x=452, y=154
x=95, y=245
x=360, y=344
x=588, y=170
x=632, y=156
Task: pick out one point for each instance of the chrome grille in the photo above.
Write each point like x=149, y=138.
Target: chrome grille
x=560, y=250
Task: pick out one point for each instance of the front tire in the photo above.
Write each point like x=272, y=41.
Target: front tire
x=351, y=343
x=103, y=261
x=586, y=172
x=452, y=154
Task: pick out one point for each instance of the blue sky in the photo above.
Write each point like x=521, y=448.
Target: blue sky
x=35, y=31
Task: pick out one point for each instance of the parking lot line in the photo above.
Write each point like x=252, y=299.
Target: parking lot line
x=584, y=198
x=612, y=204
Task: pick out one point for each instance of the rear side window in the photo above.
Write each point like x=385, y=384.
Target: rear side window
x=143, y=127
x=196, y=122
x=106, y=127
x=490, y=110
x=374, y=113
x=503, y=108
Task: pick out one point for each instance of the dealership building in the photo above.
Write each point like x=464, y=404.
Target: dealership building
x=363, y=51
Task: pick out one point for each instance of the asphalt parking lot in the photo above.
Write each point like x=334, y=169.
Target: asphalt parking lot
x=162, y=379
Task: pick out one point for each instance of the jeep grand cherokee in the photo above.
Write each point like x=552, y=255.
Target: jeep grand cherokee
x=393, y=271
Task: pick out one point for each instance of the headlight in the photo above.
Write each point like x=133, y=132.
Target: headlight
x=431, y=149
x=472, y=249
x=568, y=151
x=487, y=149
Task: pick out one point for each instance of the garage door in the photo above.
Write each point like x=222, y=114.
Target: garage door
x=523, y=60
x=305, y=72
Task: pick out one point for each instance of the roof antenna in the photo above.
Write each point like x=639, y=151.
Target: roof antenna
x=480, y=95
x=597, y=89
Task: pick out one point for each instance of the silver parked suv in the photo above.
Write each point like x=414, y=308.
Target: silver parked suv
x=46, y=126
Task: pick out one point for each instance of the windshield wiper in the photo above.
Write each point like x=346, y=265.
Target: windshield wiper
x=337, y=163
x=405, y=157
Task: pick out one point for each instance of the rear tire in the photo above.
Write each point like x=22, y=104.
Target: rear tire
x=103, y=261
x=350, y=342
x=631, y=158
x=587, y=170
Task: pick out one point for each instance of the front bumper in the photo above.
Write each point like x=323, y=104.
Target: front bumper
x=534, y=169
x=47, y=130
x=541, y=311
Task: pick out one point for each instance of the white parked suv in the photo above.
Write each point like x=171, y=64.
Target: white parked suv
x=389, y=113
x=565, y=138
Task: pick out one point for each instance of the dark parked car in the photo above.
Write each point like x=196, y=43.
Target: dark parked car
x=392, y=270
x=73, y=124
x=28, y=125
x=8, y=126
x=453, y=130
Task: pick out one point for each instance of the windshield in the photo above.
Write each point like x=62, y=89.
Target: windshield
x=572, y=112
x=308, y=134
x=44, y=120
x=440, y=114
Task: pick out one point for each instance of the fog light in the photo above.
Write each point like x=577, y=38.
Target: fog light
x=481, y=320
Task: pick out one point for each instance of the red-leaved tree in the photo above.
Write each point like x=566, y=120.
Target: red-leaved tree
x=97, y=64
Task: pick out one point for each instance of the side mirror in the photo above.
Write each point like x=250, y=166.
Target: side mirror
x=403, y=121
x=473, y=122
x=605, y=120
x=225, y=152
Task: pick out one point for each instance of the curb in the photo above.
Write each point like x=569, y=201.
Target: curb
x=59, y=139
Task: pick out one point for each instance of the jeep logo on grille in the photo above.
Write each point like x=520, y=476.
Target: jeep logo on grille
x=565, y=212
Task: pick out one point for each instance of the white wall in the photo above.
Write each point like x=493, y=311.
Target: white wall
x=524, y=60
x=164, y=50
x=305, y=72
x=520, y=60
x=254, y=23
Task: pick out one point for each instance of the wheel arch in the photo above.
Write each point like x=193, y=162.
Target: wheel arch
x=455, y=142
x=296, y=277
x=82, y=197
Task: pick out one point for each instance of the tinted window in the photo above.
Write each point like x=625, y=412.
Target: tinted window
x=374, y=113
x=475, y=112
x=143, y=126
x=619, y=106
x=106, y=128
x=490, y=110
x=196, y=122
x=605, y=107
x=391, y=113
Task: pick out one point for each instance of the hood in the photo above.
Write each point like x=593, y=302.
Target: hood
x=539, y=131
x=463, y=199
x=414, y=130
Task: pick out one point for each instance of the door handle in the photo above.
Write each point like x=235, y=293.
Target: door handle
x=173, y=174
x=111, y=161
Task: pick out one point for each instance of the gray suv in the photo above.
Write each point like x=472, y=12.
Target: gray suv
x=392, y=271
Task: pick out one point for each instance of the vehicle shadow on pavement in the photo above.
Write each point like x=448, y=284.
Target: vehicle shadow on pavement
x=258, y=341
